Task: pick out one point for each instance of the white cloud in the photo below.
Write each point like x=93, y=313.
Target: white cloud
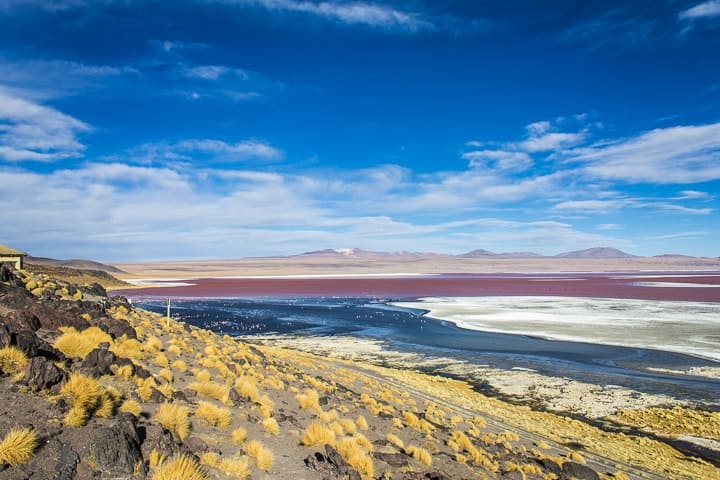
x=686, y=210
x=702, y=10
x=694, y=195
x=499, y=159
x=30, y=131
x=214, y=72
x=596, y=206
x=218, y=150
x=609, y=226
x=674, y=155
x=357, y=13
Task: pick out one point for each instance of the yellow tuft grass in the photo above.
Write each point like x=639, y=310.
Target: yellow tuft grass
x=131, y=406
x=247, y=388
x=181, y=467
x=270, y=425
x=174, y=349
x=125, y=371
x=348, y=425
x=179, y=365
x=361, y=423
x=12, y=360
x=238, y=436
x=576, y=457
x=175, y=419
x=74, y=344
x=395, y=440
x=317, y=434
x=239, y=468
x=166, y=374
x=85, y=394
x=212, y=390
x=18, y=446
x=152, y=344
x=161, y=360
x=156, y=458
x=420, y=454
x=262, y=455
x=309, y=400
x=202, y=375
x=214, y=415
x=127, y=348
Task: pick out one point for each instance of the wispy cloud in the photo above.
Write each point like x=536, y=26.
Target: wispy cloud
x=693, y=195
x=30, y=131
x=673, y=155
x=352, y=13
x=214, y=72
x=710, y=8
x=498, y=159
x=193, y=150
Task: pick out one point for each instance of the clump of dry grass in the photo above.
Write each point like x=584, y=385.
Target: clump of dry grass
x=74, y=344
x=247, y=388
x=181, y=467
x=262, y=455
x=217, y=391
x=18, y=446
x=131, y=406
x=270, y=425
x=238, y=436
x=214, y=415
x=12, y=360
x=361, y=423
x=175, y=419
x=419, y=453
x=127, y=348
x=355, y=452
x=317, y=434
x=85, y=394
x=179, y=365
x=395, y=440
x=309, y=400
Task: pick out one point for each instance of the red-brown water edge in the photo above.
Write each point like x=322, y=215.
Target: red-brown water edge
x=685, y=286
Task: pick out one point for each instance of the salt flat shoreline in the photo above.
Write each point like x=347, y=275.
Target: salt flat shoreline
x=682, y=327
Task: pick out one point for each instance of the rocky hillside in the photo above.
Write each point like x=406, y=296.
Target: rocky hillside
x=91, y=387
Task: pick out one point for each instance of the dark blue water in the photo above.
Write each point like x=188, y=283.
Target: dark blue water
x=410, y=331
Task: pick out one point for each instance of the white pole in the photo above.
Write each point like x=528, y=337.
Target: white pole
x=168, y=312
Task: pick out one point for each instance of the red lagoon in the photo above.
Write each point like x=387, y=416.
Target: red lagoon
x=686, y=286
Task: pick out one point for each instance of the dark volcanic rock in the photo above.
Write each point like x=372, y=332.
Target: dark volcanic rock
x=98, y=362
x=551, y=466
x=116, y=328
x=95, y=289
x=393, y=459
x=42, y=374
x=331, y=465
x=425, y=476
x=8, y=275
x=578, y=471
x=22, y=320
x=158, y=439
x=114, y=449
x=195, y=445
x=32, y=345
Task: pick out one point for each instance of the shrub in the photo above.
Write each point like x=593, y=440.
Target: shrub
x=395, y=440
x=215, y=416
x=361, y=423
x=166, y=374
x=161, y=360
x=179, y=365
x=180, y=468
x=270, y=425
x=174, y=349
x=127, y=348
x=12, y=360
x=420, y=454
x=238, y=435
x=74, y=344
x=156, y=458
x=202, y=375
x=309, y=400
x=262, y=455
x=18, y=446
x=131, y=406
x=246, y=387
x=348, y=425
x=212, y=390
x=175, y=419
x=317, y=434
x=85, y=394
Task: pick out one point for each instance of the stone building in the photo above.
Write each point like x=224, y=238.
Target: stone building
x=9, y=255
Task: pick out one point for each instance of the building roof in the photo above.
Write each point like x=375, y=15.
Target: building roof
x=9, y=251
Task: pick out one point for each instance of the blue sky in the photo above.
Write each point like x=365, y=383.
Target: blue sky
x=134, y=129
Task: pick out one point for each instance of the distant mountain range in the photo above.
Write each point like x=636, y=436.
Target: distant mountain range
x=596, y=252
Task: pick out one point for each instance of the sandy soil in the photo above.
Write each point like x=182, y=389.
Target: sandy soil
x=300, y=265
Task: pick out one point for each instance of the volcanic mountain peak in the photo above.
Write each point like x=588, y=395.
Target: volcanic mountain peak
x=596, y=252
